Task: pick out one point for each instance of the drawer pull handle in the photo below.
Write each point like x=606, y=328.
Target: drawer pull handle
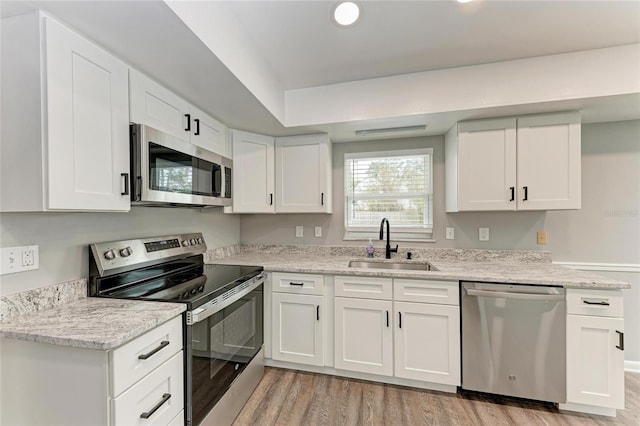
x=163, y=344
x=298, y=284
x=620, y=344
x=148, y=414
x=599, y=302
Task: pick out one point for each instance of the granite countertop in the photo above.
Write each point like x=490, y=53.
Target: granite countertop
x=521, y=267
x=91, y=322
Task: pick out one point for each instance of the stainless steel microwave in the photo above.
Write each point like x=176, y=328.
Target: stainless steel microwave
x=168, y=171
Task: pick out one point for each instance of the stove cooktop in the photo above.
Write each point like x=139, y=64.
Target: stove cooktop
x=194, y=286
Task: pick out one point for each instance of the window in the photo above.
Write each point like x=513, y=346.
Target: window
x=392, y=184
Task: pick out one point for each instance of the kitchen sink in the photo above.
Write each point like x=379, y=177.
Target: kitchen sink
x=391, y=265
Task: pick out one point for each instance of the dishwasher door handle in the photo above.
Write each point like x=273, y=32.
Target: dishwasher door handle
x=513, y=295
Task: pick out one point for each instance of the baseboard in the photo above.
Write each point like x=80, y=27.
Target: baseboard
x=632, y=366
x=603, y=267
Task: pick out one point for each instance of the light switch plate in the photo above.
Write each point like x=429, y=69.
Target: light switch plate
x=19, y=259
x=318, y=231
x=299, y=231
x=450, y=233
x=483, y=234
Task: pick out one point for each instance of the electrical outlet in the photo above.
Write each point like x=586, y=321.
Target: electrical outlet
x=483, y=234
x=450, y=233
x=19, y=259
x=318, y=232
x=542, y=237
x=299, y=231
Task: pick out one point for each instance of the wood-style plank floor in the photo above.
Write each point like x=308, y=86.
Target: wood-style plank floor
x=288, y=397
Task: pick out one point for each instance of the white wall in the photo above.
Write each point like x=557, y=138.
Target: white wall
x=63, y=238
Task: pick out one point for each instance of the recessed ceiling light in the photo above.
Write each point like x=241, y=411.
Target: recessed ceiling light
x=346, y=13
x=464, y=1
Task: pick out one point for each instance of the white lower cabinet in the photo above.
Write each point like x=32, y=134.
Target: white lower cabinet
x=363, y=335
x=595, y=350
x=407, y=340
x=297, y=328
x=427, y=342
x=138, y=383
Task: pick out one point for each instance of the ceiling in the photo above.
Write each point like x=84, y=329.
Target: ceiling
x=304, y=48
x=296, y=44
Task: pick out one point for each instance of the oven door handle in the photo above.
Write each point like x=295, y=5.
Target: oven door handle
x=205, y=311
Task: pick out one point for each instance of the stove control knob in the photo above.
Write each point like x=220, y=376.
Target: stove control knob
x=126, y=252
x=192, y=241
x=185, y=243
x=110, y=254
x=200, y=241
x=194, y=291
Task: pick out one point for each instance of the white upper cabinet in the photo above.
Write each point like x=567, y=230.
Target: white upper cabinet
x=282, y=175
x=303, y=174
x=65, y=120
x=526, y=163
x=208, y=133
x=487, y=167
x=549, y=162
x=253, y=175
x=160, y=108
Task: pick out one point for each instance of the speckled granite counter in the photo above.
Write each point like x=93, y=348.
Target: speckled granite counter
x=499, y=266
x=90, y=322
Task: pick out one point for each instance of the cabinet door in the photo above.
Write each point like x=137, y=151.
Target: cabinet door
x=487, y=165
x=156, y=106
x=297, y=328
x=595, y=364
x=427, y=342
x=208, y=133
x=303, y=174
x=363, y=335
x=549, y=161
x=88, y=124
x=253, y=175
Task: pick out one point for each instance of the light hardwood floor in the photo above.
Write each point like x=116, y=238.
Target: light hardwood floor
x=288, y=397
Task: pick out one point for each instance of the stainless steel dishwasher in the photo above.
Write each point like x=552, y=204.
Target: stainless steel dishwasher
x=513, y=340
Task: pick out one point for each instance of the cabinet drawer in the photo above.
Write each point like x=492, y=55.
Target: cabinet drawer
x=297, y=283
x=426, y=291
x=599, y=303
x=125, y=361
x=364, y=287
x=159, y=396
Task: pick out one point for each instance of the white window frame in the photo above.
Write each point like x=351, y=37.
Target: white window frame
x=418, y=234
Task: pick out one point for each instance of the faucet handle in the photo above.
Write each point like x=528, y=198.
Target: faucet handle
x=394, y=250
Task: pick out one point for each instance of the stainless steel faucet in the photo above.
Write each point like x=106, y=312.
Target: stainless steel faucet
x=388, y=250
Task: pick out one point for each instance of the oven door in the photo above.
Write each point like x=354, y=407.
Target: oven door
x=169, y=170
x=222, y=345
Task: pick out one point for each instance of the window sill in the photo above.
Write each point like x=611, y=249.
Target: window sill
x=393, y=239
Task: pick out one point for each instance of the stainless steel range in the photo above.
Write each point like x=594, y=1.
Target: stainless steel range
x=223, y=324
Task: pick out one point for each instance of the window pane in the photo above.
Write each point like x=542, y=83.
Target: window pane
x=402, y=212
x=391, y=175
x=394, y=184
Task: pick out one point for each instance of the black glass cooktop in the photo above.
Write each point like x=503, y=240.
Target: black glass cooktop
x=194, y=285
